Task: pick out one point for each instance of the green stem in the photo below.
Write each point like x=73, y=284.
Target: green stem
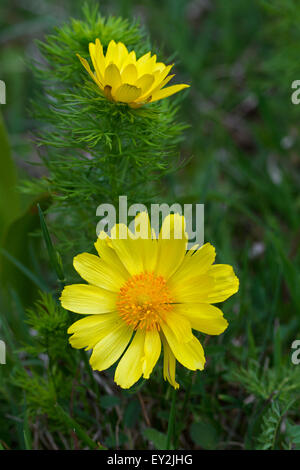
x=184, y=409
x=171, y=425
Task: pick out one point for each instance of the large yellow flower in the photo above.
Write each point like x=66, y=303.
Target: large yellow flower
x=143, y=292
x=124, y=78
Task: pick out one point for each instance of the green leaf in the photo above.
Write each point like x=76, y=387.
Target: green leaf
x=17, y=267
x=109, y=401
x=204, y=434
x=9, y=199
x=29, y=274
x=132, y=413
x=158, y=439
x=53, y=254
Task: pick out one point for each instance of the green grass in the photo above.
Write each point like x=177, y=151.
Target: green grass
x=242, y=148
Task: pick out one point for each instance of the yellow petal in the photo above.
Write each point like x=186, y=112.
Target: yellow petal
x=160, y=80
x=152, y=349
x=98, y=273
x=145, y=82
x=142, y=225
x=130, y=367
x=130, y=59
x=159, y=67
x=225, y=283
x=127, y=249
x=127, y=93
x=112, y=77
x=195, y=290
x=195, y=265
x=110, y=257
x=129, y=74
x=88, y=69
x=180, y=326
x=100, y=57
x=143, y=59
x=203, y=317
x=169, y=364
x=111, y=53
x=190, y=355
x=88, y=331
x=165, y=92
x=148, y=66
x=171, y=245
x=110, y=347
x=122, y=54
x=146, y=245
x=98, y=63
x=86, y=299
x=158, y=86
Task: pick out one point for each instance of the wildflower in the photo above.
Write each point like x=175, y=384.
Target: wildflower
x=144, y=292
x=123, y=78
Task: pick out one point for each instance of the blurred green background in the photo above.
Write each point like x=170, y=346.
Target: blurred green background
x=243, y=145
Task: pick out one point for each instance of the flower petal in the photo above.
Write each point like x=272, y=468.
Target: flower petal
x=129, y=74
x=165, y=92
x=127, y=93
x=98, y=273
x=203, y=317
x=108, y=350
x=161, y=78
x=225, y=283
x=169, y=364
x=111, y=53
x=195, y=290
x=88, y=69
x=190, y=355
x=195, y=265
x=107, y=254
x=152, y=349
x=147, y=66
x=130, y=367
x=130, y=59
x=180, y=326
x=122, y=54
x=147, y=246
x=112, y=77
x=145, y=82
x=172, y=245
x=88, y=331
x=99, y=56
x=143, y=59
x=96, y=53
x=126, y=247
x=86, y=299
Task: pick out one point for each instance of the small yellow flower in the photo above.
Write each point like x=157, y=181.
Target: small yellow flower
x=145, y=292
x=125, y=79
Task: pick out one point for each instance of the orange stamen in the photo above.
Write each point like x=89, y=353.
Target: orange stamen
x=144, y=300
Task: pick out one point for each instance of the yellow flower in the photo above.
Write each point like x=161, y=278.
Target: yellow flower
x=145, y=292
x=124, y=78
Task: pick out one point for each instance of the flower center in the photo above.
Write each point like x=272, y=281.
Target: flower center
x=144, y=300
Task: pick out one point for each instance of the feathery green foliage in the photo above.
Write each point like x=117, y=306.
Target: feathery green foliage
x=94, y=149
